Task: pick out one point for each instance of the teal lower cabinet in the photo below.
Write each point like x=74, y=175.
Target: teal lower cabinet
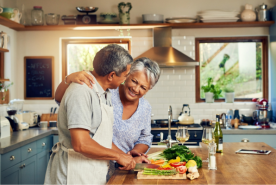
x=28, y=171
x=11, y=175
x=268, y=139
x=42, y=162
x=31, y=166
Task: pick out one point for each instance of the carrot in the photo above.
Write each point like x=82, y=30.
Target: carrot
x=160, y=161
x=151, y=161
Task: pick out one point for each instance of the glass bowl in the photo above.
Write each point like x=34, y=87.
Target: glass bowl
x=52, y=18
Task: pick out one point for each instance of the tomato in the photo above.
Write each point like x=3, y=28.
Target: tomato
x=181, y=169
x=178, y=164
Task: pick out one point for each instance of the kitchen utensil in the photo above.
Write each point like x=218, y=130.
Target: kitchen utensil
x=51, y=111
x=163, y=122
x=247, y=119
x=52, y=18
x=31, y=117
x=248, y=15
x=250, y=127
x=69, y=19
x=53, y=124
x=153, y=18
x=17, y=15
x=247, y=151
x=55, y=110
x=185, y=118
x=37, y=16
x=141, y=166
x=43, y=124
x=262, y=13
x=88, y=18
x=4, y=127
x=4, y=38
x=86, y=9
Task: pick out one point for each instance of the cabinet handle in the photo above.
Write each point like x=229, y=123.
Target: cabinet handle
x=43, y=144
x=195, y=135
x=12, y=158
x=24, y=165
x=29, y=150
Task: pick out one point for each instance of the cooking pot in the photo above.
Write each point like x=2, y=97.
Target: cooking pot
x=163, y=122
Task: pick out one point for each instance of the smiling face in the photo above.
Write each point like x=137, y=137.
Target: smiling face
x=136, y=86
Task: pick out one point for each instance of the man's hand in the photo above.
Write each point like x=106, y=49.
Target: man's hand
x=134, y=153
x=142, y=159
x=127, y=161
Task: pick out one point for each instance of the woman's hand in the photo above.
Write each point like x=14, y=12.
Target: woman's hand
x=134, y=153
x=81, y=78
x=141, y=159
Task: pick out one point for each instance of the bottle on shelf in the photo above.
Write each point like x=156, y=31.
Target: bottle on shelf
x=218, y=135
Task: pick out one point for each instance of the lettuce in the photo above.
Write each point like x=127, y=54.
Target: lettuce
x=183, y=152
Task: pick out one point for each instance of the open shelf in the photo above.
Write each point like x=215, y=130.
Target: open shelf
x=4, y=80
x=2, y=50
x=147, y=26
x=10, y=24
x=19, y=27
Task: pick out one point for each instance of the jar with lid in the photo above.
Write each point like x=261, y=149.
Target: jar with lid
x=37, y=16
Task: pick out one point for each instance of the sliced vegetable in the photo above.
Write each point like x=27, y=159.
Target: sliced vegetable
x=166, y=166
x=149, y=171
x=174, y=160
x=159, y=162
x=181, y=169
x=178, y=164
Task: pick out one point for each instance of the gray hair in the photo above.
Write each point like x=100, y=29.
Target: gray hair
x=150, y=68
x=111, y=58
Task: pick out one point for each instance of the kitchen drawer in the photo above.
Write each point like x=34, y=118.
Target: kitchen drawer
x=11, y=158
x=28, y=150
x=43, y=144
x=195, y=134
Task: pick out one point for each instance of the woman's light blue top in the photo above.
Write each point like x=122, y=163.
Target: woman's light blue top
x=136, y=129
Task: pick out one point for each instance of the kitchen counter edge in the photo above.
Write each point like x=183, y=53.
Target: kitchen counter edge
x=21, y=138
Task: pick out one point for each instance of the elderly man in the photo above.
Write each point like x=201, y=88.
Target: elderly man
x=85, y=124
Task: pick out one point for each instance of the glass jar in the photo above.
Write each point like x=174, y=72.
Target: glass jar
x=37, y=16
x=212, y=156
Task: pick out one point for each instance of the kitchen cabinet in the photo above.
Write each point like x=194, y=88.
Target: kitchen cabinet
x=22, y=173
x=27, y=164
x=42, y=162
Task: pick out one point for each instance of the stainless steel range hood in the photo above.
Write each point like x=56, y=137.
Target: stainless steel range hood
x=163, y=52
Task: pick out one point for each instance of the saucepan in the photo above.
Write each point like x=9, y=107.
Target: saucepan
x=163, y=122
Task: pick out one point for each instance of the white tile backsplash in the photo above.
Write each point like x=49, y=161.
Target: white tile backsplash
x=175, y=87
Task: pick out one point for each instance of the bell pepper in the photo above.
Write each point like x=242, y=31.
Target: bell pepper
x=177, y=160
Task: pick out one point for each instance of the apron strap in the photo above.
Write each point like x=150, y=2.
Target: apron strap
x=59, y=146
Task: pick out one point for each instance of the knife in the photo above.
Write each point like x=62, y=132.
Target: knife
x=54, y=111
x=141, y=166
x=51, y=111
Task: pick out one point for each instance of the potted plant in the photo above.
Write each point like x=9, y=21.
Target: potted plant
x=124, y=9
x=229, y=94
x=211, y=91
x=4, y=93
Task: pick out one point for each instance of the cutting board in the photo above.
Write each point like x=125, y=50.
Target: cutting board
x=177, y=176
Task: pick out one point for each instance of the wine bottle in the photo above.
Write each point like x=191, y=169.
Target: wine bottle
x=218, y=135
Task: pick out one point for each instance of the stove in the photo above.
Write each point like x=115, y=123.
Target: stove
x=195, y=131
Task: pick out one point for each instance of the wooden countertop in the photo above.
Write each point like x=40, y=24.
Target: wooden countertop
x=231, y=168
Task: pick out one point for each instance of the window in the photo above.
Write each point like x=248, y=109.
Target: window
x=239, y=64
x=78, y=54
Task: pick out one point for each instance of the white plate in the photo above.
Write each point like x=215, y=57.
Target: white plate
x=181, y=21
x=251, y=127
x=219, y=20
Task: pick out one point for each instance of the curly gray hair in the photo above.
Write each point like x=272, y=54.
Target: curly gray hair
x=151, y=69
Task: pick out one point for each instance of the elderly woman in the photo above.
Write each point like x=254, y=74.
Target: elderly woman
x=132, y=113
